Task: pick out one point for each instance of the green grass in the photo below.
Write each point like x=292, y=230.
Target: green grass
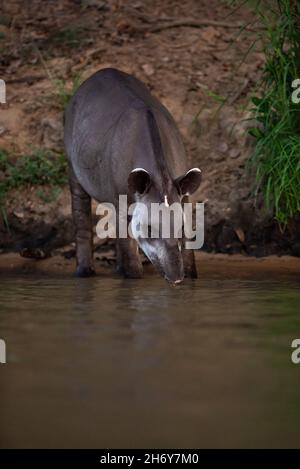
x=48, y=194
x=276, y=154
x=66, y=36
x=64, y=91
x=38, y=167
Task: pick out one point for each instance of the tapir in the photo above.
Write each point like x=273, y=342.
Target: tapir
x=120, y=139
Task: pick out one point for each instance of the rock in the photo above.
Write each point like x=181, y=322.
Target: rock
x=148, y=69
x=223, y=147
x=18, y=213
x=209, y=34
x=234, y=153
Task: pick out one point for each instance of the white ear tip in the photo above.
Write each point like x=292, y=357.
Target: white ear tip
x=194, y=169
x=139, y=169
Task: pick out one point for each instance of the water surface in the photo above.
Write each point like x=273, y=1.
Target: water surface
x=118, y=363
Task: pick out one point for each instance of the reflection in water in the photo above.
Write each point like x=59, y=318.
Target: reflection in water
x=108, y=362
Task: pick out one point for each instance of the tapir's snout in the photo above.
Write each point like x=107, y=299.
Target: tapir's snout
x=174, y=274
x=172, y=265
x=166, y=257
x=175, y=282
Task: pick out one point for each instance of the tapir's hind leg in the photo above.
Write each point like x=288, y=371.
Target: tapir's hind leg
x=129, y=262
x=82, y=219
x=190, y=269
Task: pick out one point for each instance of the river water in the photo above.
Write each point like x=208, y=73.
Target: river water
x=118, y=363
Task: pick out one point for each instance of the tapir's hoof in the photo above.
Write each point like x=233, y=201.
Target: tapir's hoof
x=84, y=272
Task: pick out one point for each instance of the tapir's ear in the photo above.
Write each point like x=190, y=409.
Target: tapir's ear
x=189, y=183
x=139, y=181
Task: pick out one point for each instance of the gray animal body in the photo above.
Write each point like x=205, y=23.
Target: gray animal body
x=120, y=140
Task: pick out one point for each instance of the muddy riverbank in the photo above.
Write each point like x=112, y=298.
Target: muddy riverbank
x=208, y=265
x=36, y=229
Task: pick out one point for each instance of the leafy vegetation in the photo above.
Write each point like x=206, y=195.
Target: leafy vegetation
x=276, y=155
x=64, y=91
x=39, y=167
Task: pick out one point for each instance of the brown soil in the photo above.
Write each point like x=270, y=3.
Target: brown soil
x=187, y=67
x=208, y=265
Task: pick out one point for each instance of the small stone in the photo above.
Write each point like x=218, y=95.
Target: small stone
x=234, y=153
x=148, y=69
x=18, y=213
x=209, y=34
x=223, y=147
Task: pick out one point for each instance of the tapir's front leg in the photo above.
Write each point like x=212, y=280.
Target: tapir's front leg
x=82, y=219
x=190, y=270
x=129, y=262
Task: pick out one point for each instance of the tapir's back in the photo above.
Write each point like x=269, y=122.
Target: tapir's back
x=108, y=132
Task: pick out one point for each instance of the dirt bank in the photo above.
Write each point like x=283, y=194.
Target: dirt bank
x=221, y=266
x=204, y=73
